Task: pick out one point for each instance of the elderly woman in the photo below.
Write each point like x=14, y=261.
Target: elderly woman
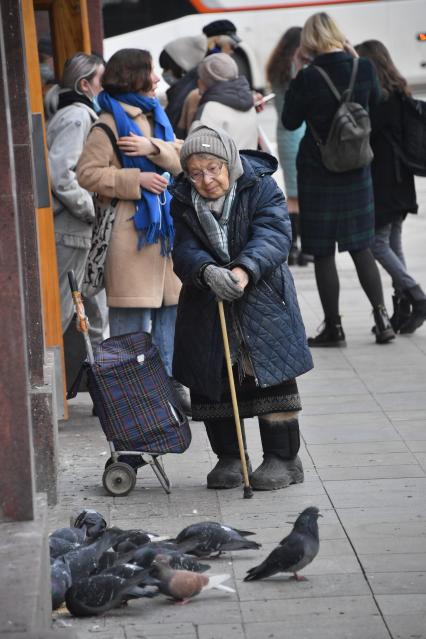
x=232, y=240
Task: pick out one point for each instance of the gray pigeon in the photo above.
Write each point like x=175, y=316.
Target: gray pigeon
x=295, y=551
x=178, y=560
x=100, y=593
x=59, y=547
x=60, y=581
x=209, y=537
x=92, y=522
x=84, y=561
x=71, y=534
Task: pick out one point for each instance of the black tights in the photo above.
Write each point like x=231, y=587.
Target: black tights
x=328, y=281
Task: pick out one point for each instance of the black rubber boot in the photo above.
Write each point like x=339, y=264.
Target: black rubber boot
x=418, y=314
x=384, y=331
x=223, y=440
x=281, y=464
x=331, y=335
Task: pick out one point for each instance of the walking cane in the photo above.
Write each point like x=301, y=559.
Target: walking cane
x=248, y=491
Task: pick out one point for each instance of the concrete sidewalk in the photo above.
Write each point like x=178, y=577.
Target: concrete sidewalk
x=364, y=452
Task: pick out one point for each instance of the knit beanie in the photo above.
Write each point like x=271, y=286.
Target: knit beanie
x=217, y=67
x=187, y=52
x=202, y=140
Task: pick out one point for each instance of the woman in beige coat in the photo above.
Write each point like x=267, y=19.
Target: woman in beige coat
x=142, y=290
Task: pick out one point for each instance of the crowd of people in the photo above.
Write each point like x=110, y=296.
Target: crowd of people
x=198, y=215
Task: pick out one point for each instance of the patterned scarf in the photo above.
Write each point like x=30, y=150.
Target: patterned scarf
x=152, y=218
x=213, y=222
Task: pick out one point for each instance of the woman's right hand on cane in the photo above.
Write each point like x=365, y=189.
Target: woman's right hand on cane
x=153, y=182
x=223, y=283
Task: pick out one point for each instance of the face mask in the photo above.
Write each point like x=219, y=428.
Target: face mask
x=169, y=78
x=95, y=104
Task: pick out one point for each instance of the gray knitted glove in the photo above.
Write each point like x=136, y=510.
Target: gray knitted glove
x=222, y=282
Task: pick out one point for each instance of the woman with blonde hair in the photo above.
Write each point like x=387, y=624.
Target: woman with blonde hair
x=335, y=207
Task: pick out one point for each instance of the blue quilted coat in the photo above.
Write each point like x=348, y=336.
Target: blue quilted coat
x=267, y=316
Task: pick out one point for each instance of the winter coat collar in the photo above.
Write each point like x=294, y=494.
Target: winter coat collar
x=256, y=164
x=235, y=94
x=332, y=58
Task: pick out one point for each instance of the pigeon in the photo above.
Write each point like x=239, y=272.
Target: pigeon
x=60, y=579
x=92, y=522
x=182, y=585
x=73, y=535
x=295, y=551
x=85, y=560
x=99, y=593
x=59, y=547
x=207, y=537
x=126, y=571
x=130, y=540
x=178, y=560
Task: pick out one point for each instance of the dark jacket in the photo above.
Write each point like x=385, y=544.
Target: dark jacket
x=310, y=99
x=232, y=93
x=177, y=94
x=267, y=316
x=394, y=189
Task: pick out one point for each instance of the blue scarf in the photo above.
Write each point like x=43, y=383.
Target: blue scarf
x=152, y=217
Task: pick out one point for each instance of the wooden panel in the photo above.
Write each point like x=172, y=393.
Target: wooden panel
x=70, y=29
x=45, y=225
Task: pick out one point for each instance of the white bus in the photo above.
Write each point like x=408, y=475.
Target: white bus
x=399, y=24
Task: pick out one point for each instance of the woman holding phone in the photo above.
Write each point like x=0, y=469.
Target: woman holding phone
x=142, y=290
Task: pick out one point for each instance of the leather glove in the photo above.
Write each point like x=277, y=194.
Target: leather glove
x=222, y=282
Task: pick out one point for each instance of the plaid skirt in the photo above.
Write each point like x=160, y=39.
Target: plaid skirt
x=335, y=208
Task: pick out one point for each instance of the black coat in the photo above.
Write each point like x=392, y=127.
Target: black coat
x=394, y=189
x=334, y=207
x=267, y=316
x=176, y=96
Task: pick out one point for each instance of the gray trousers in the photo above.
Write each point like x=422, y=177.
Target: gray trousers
x=387, y=250
x=74, y=258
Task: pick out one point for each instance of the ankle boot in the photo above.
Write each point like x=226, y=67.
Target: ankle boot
x=281, y=464
x=223, y=439
x=401, y=311
x=332, y=334
x=384, y=331
x=418, y=314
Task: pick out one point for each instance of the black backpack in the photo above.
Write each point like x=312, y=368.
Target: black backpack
x=411, y=148
x=348, y=142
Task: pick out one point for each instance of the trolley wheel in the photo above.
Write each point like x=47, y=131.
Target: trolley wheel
x=119, y=479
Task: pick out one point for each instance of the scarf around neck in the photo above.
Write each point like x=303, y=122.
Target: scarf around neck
x=152, y=218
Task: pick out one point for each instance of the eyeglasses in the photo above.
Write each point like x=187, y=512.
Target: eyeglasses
x=212, y=171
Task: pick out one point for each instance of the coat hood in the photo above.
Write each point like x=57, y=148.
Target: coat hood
x=235, y=94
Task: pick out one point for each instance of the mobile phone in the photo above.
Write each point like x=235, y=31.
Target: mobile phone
x=166, y=175
x=266, y=98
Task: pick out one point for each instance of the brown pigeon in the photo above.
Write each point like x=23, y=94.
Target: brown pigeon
x=182, y=585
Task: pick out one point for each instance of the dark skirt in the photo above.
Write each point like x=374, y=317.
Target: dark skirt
x=252, y=401
x=335, y=208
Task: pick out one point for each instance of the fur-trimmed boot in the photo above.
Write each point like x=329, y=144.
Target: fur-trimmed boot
x=281, y=464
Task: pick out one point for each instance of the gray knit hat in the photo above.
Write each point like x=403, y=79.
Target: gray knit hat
x=217, y=67
x=187, y=52
x=205, y=139
x=202, y=140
